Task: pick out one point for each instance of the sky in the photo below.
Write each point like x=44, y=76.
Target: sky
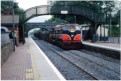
x=25, y=4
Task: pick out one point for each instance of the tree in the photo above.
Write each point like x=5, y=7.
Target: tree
x=96, y=6
x=115, y=18
x=8, y=4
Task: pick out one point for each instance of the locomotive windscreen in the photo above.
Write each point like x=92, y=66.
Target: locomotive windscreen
x=65, y=27
x=78, y=28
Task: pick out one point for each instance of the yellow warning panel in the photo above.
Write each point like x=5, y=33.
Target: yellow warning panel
x=28, y=70
x=29, y=75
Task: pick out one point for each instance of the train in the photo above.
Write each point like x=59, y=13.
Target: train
x=65, y=35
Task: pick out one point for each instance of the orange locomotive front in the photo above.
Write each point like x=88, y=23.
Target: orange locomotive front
x=66, y=34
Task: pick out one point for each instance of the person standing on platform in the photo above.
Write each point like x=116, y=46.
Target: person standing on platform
x=12, y=35
x=15, y=37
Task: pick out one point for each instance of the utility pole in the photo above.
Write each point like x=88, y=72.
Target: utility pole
x=13, y=24
x=105, y=24
x=119, y=21
x=75, y=19
x=119, y=24
x=120, y=15
x=110, y=26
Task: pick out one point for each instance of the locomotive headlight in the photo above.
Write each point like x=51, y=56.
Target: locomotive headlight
x=71, y=30
x=72, y=35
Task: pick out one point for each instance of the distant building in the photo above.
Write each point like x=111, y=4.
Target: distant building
x=101, y=33
x=7, y=21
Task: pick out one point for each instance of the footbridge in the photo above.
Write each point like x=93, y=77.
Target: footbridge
x=96, y=19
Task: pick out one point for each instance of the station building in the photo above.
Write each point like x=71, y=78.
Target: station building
x=101, y=33
x=7, y=23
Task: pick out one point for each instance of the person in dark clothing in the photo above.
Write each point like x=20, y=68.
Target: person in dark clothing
x=11, y=35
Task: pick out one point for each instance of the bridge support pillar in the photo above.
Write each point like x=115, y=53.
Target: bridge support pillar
x=91, y=32
x=21, y=34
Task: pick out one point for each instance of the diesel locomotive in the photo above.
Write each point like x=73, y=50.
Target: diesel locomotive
x=66, y=35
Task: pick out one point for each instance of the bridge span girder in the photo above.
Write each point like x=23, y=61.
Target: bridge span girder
x=72, y=10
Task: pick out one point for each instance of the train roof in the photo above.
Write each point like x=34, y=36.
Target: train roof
x=63, y=25
x=69, y=24
x=58, y=25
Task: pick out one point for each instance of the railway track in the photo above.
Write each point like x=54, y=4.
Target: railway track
x=100, y=56
x=101, y=65
x=94, y=78
x=92, y=74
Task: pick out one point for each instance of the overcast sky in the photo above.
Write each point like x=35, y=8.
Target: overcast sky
x=25, y=4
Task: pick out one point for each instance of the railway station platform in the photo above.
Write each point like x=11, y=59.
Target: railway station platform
x=108, y=45
x=28, y=62
x=112, y=50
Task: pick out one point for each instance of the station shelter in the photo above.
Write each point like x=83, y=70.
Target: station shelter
x=100, y=35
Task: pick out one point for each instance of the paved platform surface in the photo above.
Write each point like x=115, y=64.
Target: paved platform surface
x=28, y=62
x=104, y=45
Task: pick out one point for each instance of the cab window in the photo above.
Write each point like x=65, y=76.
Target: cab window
x=72, y=27
x=65, y=28
x=78, y=28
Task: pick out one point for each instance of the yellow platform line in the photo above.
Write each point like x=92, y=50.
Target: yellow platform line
x=50, y=63
x=35, y=71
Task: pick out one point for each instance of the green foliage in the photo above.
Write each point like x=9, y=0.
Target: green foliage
x=5, y=4
x=19, y=10
x=8, y=4
x=115, y=31
x=34, y=31
x=116, y=19
x=97, y=6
